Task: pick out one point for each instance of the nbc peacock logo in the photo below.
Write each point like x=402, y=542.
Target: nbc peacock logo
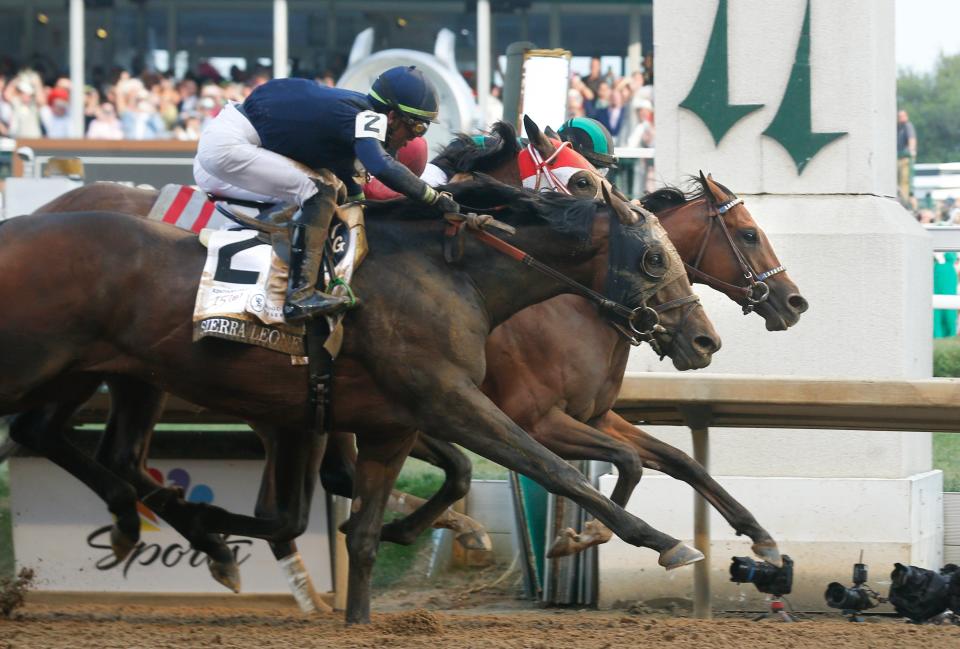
x=178, y=478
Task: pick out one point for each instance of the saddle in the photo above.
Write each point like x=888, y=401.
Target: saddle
x=244, y=280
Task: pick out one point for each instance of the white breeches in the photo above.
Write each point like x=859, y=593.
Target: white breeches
x=433, y=175
x=230, y=162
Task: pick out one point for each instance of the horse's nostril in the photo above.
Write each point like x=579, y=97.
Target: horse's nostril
x=706, y=344
x=797, y=303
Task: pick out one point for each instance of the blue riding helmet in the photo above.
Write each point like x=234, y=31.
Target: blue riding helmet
x=406, y=90
x=591, y=139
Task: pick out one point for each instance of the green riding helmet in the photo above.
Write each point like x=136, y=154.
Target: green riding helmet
x=591, y=139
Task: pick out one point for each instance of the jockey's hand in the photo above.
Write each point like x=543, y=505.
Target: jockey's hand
x=445, y=203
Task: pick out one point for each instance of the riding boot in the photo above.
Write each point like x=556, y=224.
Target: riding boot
x=310, y=228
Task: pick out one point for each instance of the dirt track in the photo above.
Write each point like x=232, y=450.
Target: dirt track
x=272, y=624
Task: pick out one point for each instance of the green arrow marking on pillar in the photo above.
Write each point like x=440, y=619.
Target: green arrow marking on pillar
x=709, y=99
x=792, y=126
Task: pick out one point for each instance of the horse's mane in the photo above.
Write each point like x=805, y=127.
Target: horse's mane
x=670, y=196
x=464, y=155
x=519, y=207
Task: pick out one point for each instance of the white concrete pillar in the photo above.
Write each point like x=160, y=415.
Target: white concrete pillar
x=77, y=82
x=171, y=36
x=555, y=29
x=483, y=59
x=29, y=20
x=791, y=105
x=635, y=47
x=280, y=39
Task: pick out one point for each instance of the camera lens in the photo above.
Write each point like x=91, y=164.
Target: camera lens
x=852, y=599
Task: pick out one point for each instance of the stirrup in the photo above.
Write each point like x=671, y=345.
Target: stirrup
x=315, y=304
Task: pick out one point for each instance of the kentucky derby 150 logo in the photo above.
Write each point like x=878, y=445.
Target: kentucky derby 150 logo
x=168, y=555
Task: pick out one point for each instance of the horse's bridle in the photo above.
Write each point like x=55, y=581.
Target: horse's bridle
x=757, y=290
x=552, y=183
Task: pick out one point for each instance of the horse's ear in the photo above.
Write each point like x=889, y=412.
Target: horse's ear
x=537, y=138
x=708, y=192
x=550, y=133
x=620, y=207
x=712, y=188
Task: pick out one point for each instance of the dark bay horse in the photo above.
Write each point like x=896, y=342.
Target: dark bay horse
x=119, y=301
x=570, y=388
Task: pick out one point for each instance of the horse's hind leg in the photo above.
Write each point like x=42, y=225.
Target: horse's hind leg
x=378, y=464
x=42, y=430
x=467, y=417
x=135, y=408
x=286, y=552
x=436, y=511
x=677, y=464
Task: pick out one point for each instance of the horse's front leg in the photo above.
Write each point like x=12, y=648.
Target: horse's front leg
x=575, y=440
x=378, y=463
x=677, y=464
x=467, y=417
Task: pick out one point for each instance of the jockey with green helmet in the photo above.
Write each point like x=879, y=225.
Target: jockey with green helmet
x=592, y=140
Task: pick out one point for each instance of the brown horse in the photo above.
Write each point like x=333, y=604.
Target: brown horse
x=392, y=370
x=569, y=387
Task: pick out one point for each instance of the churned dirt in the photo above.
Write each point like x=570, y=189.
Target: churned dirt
x=13, y=592
x=481, y=620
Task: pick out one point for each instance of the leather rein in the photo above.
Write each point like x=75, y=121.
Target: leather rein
x=756, y=290
x=641, y=322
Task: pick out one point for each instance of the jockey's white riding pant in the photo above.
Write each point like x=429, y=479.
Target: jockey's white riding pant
x=434, y=175
x=230, y=162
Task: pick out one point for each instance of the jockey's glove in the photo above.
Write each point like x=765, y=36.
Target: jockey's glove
x=445, y=203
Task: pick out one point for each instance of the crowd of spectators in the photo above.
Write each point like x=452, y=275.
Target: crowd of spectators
x=623, y=104
x=149, y=106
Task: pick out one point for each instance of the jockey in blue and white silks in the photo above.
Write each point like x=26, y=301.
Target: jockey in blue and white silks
x=254, y=151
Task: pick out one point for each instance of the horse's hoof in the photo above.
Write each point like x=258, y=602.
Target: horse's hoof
x=475, y=540
x=768, y=551
x=564, y=545
x=122, y=543
x=597, y=532
x=679, y=555
x=227, y=573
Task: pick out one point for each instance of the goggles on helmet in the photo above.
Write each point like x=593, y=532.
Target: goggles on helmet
x=416, y=126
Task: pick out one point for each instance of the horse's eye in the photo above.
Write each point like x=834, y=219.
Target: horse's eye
x=750, y=236
x=583, y=183
x=656, y=259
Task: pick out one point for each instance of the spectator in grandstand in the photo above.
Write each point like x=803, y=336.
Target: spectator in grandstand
x=25, y=94
x=6, y=111
x=642, y=133
x=138, y=114
x=105, y=124
x=187, y=128
x=91, y=104
x=167, y=99
x=188, y=96
x=575, y=104
x=612, y=115
x=55, y=115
